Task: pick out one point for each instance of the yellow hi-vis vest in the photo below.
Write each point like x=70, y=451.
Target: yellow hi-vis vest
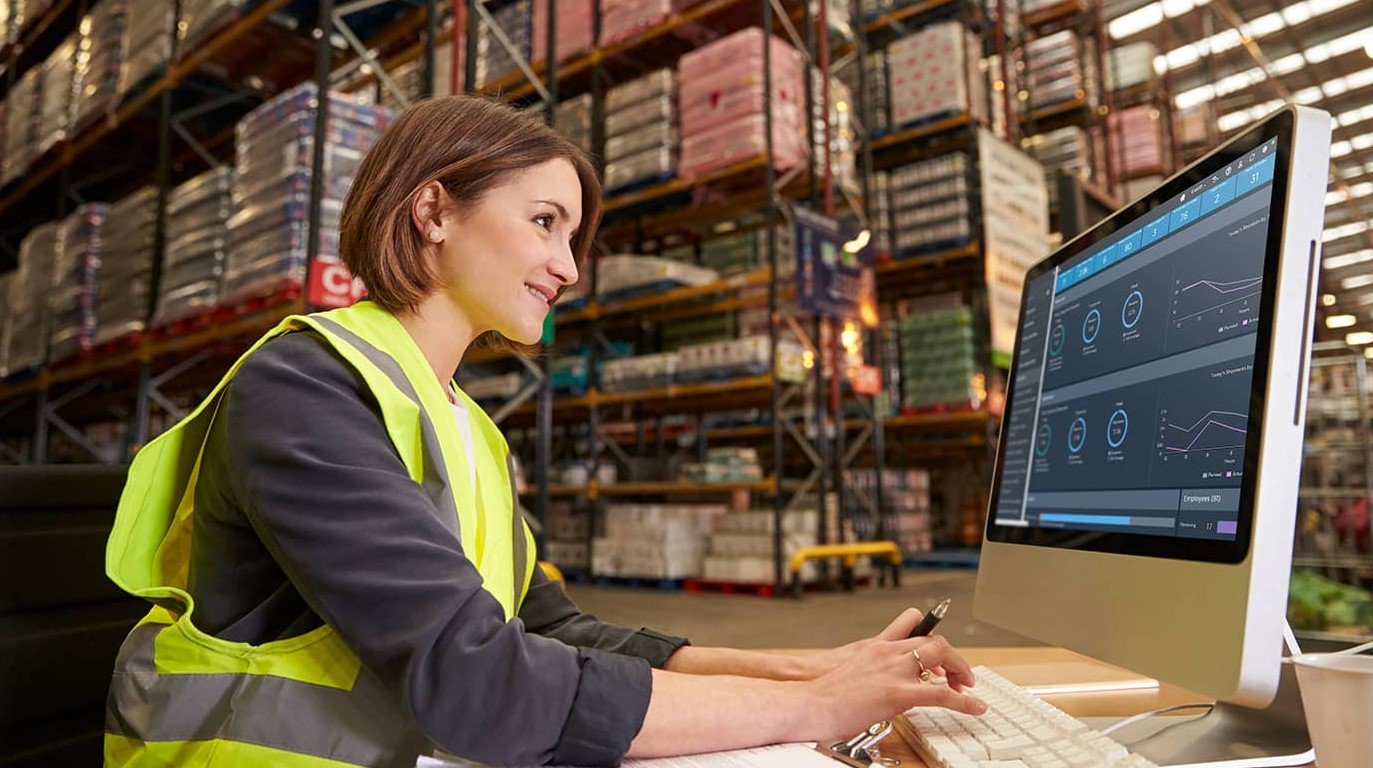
x=180, y=697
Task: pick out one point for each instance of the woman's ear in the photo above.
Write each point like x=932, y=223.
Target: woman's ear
x=427, y=208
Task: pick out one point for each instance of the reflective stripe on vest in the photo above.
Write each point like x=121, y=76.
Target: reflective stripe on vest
x=265, y=710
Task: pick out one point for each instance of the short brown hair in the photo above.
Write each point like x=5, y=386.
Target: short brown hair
x=469, y=145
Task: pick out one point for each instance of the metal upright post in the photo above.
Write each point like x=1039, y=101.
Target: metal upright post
x=431, y=35
x=323, y=58
x=775, y=386
x=879, y=459
x=137, y=432
x=469, y=63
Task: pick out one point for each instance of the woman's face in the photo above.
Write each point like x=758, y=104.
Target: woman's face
x=505, y=260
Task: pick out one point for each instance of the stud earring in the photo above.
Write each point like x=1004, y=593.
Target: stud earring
x=434, y=235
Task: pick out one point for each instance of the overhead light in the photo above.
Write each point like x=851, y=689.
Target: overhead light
x=1258, y=28
x=1340, y=321
x=1368, y=352
x=1328, y=299
x=1283, y=66
x=1357, y=281
x=1347, y=259
x=1345, y=230
x=859, y=242
x=1356, y=191
x=1359, y=338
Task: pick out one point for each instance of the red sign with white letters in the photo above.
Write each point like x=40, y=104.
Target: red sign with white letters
x=333, y=286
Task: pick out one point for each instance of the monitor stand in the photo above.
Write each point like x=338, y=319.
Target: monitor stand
x=1229, y=736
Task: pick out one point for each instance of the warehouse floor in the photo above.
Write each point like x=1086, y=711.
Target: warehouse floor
x=815, y=621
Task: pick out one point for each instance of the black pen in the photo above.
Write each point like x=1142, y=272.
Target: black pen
x=932, y=618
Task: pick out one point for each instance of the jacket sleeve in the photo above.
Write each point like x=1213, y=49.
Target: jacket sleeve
x=548, y=611
x=325, y=489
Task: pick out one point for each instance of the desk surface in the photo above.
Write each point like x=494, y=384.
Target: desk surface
x=1113, y=704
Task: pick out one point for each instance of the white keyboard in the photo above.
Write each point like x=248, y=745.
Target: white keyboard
x=1019, y=730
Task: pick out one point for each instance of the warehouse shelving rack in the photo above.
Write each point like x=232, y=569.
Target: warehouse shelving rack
x=962, y=438
x=1330, y=539
x=1086, y=111
x=661, y=209
x=197, y=97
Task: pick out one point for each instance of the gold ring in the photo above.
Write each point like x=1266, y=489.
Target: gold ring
x=925, y=674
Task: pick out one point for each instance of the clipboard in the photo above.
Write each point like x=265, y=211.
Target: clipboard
x=862, y=750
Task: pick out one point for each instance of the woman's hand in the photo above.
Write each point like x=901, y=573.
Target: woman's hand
x=880, y=678
x=813, y=665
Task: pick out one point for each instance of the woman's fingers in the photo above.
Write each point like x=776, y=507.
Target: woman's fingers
x=902, y=625
x=948, y=698
x=935, y=652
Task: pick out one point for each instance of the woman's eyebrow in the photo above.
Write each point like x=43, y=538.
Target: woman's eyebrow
x=561, y=210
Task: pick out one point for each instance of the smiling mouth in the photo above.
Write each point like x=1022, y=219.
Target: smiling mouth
x=539, y=293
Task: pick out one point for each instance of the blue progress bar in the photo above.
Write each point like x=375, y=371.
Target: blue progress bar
x=1056, y=517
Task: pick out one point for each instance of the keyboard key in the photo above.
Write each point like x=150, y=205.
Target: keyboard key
x=1019, y=730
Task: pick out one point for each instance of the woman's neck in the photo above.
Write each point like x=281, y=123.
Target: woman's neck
x=442, y=332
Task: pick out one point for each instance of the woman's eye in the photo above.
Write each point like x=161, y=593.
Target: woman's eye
x=544, y=220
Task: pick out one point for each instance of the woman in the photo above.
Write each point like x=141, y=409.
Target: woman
x=330, y=538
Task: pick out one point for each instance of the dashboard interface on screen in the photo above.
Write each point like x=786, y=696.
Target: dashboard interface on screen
x=1129, y=407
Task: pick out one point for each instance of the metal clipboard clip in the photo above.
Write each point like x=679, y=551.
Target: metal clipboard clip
x=861, y=751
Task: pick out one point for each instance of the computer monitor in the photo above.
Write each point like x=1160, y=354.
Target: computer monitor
x=1145, y=491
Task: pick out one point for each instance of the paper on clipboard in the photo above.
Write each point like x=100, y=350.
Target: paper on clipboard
x=778, y=756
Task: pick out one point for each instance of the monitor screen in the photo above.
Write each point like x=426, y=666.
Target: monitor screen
x=1152, y=436
x=1131, y=408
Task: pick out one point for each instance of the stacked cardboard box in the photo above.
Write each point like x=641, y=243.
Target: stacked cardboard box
x=269, y=231
x=879, y=91
x=409, y=78
x=1136, y=141
x=746, y=251
x=905, y=506
x=573, y=31
x=126, y=266
x=104, y=45
x=1066, y=150
x=881, y=222
x=24, y=14
x=720, y=326
x=724, y=465
x=733, y=358
x=658, y=369
x=935, y=72
x=76, y=282
x=567, y=530
x=641, y=139
x=938, y=364
x=202, y=18
x=197, y=243
x=149, y=43
x=624, y=274
x=666, y=541
x=623, y=19
x=21, y=125
x=1060, y=68
x=8, y=31
x=574, y=120
x=742, y=547
x=60, y=84
x=844, y=138
x=494, y=61
x=722, y=103
x=930, y=203
x=26, y=307
x=1130, y=65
